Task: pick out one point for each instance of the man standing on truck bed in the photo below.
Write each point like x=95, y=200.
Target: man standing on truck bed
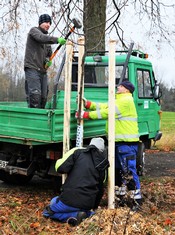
x=83, y=187
x=126, y=139
x=37, y=61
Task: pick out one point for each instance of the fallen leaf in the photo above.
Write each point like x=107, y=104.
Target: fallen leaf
x=35, y=225
x=168, y=221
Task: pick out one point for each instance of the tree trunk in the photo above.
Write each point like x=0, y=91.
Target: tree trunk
x=94, y=24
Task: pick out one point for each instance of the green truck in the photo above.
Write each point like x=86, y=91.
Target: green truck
x=31, y=140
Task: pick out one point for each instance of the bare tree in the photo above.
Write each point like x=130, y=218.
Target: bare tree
x=102, y=19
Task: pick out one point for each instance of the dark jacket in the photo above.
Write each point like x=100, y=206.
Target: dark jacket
x=83, y=187
x=37, y=49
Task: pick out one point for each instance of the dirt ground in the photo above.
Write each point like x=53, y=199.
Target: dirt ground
x=158, y=164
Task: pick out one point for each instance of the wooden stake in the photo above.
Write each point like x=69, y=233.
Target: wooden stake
x=79, y=137
x=67, y=98
x=111, y=125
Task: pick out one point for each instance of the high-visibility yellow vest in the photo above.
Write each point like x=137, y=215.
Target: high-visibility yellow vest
x=126, y=123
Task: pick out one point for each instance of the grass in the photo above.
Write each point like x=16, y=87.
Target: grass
x=167, y=141
x=168, y=122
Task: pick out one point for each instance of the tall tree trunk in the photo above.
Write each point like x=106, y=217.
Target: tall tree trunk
x=94, y=24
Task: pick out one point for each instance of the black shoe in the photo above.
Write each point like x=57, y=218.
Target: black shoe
x=81, y=216
x=50, y=212
x=72, y=221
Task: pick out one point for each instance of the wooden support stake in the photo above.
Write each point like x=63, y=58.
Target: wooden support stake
x=79, y=137
x=67, y=98
x=111, y=125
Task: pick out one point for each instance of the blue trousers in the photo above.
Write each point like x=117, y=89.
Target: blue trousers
x=63, y=212
x=125, y=163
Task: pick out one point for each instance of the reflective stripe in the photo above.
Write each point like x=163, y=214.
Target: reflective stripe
x=123, y=136
x=118, y=112
x=126, y=119
x=60, y=161
x=120, y=117
x=120, y=191
x=99, y=114
x=135, y=194
x=97, y=105
x=98, y=110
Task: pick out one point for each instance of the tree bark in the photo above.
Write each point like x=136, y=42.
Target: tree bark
x=94, y=24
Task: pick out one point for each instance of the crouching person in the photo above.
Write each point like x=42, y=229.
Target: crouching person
x=83, y=188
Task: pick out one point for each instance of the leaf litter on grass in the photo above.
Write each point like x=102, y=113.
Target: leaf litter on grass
x=21, y=213
x=157, y=216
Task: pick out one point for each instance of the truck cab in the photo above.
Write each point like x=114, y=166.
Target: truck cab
x=146, y=95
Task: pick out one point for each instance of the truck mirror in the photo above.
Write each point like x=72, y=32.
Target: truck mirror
x=157, y=92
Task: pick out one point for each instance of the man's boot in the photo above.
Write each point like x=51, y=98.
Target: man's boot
x=72, y=221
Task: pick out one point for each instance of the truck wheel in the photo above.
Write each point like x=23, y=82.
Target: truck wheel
x=140, y=162
x=15, y=178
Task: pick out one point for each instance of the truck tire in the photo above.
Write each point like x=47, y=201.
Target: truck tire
x=15, y=178
x=140, y=161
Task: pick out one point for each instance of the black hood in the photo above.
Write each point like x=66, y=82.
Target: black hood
x=99, y=158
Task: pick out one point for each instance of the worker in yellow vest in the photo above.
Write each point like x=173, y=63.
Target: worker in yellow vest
x=126, y=139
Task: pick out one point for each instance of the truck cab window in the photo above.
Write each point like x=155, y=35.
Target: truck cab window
x=118, y=73
x=98, y=74
x=144, y=84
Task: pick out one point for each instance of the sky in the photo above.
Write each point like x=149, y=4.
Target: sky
x=147, y=38
x=137, y=29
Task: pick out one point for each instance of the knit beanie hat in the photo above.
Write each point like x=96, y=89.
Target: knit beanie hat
x=98, y=142
x=45, y=18
x=128, y=85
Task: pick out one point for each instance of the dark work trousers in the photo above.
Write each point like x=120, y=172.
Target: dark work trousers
x=125, y=163
x=36, y=88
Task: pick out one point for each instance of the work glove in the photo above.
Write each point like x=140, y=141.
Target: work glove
x=48, y=64
x=61, y=41
x=83, y=115
x=86, y=103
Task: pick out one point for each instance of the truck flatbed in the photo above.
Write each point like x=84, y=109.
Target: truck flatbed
x=29, y=126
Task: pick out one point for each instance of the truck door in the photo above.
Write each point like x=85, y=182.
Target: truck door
x=147, y=106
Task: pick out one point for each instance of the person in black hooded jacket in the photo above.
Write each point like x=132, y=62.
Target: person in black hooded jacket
x=83, y=188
